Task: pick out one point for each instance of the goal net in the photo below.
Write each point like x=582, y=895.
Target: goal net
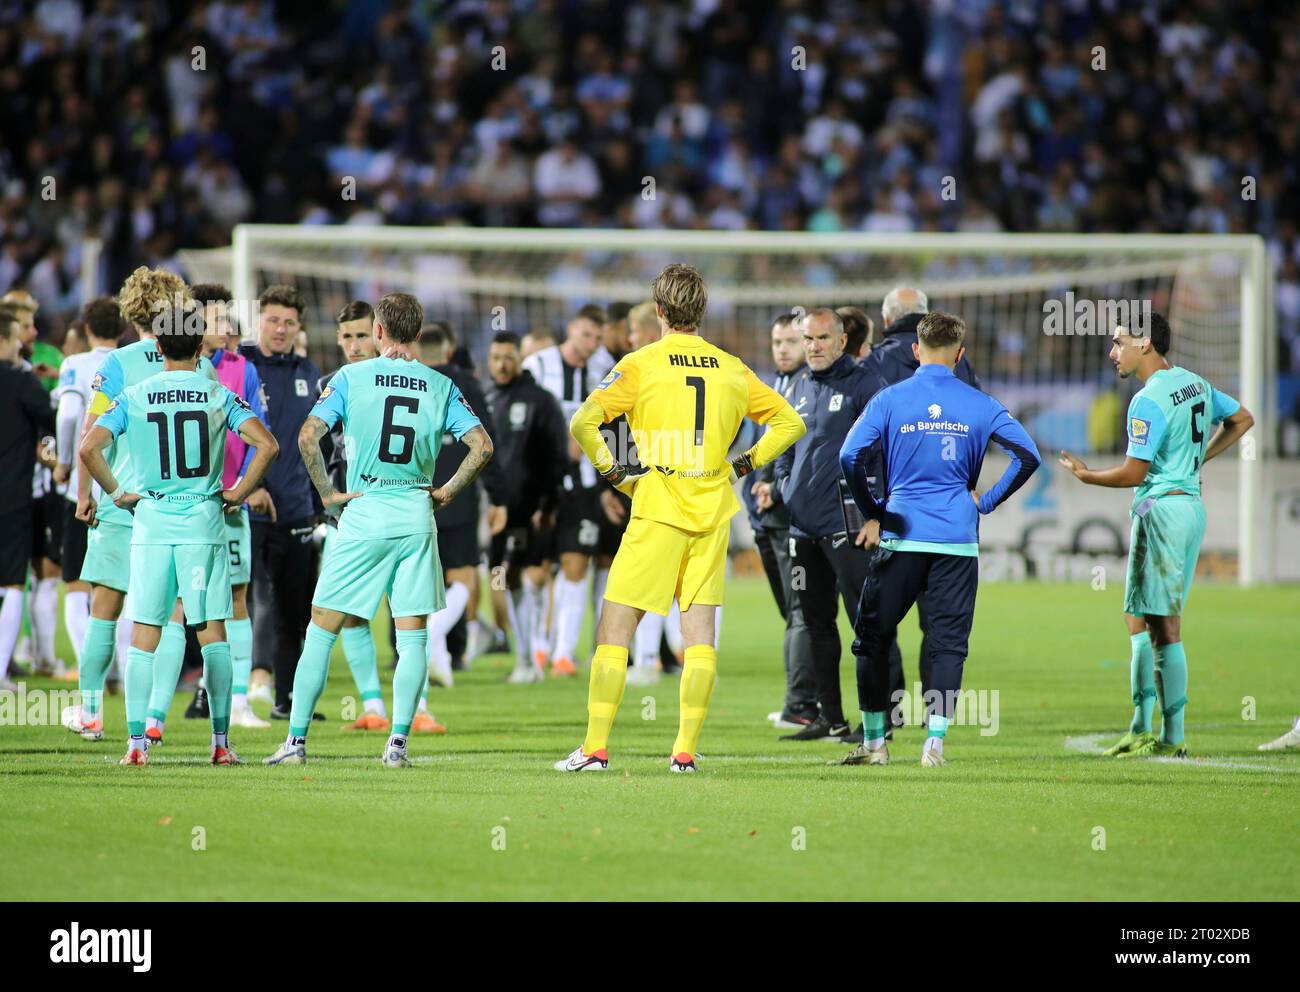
x=1039, y=311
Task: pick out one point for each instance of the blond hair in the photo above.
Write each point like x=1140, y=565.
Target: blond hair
x=643, y=314
x=680, y=292
x=146, y=291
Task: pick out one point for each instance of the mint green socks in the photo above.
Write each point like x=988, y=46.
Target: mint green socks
x=217, y=679
x=359, y=649
x=139, y=684
x=96, y=656
x=1171, y=674
x=410, y=678
x=239, y=635
x=873, y=727
x=309, y=680
x=167, y=660
x=1142, y=680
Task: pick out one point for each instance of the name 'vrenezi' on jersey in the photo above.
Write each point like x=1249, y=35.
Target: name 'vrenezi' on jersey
x=179, y=396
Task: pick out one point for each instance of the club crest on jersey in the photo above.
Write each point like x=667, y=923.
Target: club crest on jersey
x=935, y=411
x=609, y=379
x=837, y=401
x=1137, y=430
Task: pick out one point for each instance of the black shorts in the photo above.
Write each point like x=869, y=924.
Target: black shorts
x=458, y=547
x=519, y=546
x=47, y=528
x=73, y=554
x=577, y=523
x=16, y=544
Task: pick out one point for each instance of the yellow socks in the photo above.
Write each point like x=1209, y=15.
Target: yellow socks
x=698, y=675
x=604, y=693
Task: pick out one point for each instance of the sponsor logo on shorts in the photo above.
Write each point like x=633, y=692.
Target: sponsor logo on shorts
x=1138, y=430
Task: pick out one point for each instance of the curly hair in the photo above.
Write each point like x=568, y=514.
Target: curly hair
x=147, y=291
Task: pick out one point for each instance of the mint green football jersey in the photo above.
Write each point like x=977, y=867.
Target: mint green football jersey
x=176, y=424
x=122, y=369
x=394, y=413
x=1170, y=422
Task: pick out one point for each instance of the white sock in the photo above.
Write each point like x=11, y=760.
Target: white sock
x=11, y=621
x=571, y=605
x=442, y=621
x=76, y=617
x=220, y=740
x=45, y=619
x=649, y=632
x=673, y=629
x=238, y=700
x=375, y=706
x=517, y=612
x=535, y=599
x=933, y=744
x=152, y=722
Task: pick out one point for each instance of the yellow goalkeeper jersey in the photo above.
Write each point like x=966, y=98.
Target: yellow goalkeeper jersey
x=685, y=400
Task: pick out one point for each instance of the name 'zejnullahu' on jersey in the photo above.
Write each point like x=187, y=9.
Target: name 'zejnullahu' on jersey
x=176, y=424
x=121, y=369
x=394, y=413
x=1170, y=421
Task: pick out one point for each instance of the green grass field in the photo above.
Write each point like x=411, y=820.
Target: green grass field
x=1015, y=815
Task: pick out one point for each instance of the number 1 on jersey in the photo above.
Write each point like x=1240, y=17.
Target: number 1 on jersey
x=697, y=383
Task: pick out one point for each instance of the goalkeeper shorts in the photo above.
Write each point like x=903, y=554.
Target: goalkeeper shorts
x=657, y=563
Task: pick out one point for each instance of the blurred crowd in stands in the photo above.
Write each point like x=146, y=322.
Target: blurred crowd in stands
x=157, y=126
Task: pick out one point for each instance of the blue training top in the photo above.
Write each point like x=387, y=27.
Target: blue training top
x=933, y=430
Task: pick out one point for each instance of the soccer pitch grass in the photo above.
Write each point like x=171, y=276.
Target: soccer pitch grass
x=1016, y=815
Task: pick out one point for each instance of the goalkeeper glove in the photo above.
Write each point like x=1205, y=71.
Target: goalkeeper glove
x=623, y=478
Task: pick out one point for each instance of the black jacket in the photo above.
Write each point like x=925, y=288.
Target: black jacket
x=464, y=510
x=531, y=443
x=291, y=385
x=892, y=360
x=25, y=416
x=808, y=472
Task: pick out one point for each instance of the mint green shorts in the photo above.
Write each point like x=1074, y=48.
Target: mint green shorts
x=197, y=574
x=108, y=556
x=1163, y=547
x=356, y=575
x=239, y=541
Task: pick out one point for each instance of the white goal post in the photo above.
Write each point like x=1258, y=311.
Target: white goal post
x=1217, y=291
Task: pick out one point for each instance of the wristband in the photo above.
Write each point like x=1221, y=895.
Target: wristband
x=116, y=494
x=742, y=465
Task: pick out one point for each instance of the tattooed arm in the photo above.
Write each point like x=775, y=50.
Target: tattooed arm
x=309, y=445
x=480, y=453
